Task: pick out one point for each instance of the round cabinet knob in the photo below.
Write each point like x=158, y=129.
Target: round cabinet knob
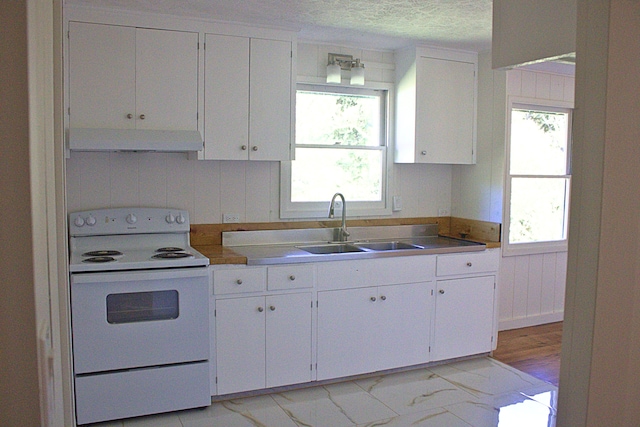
x=78, y=222
x=239, y=281
x=129, y=116
x=383, y=298
x=243, y=148
x=132, y=219
x=424, y=152
x=142, y=117
x=260, y=309
x=254, y=148
x=170, y=219
x=180, y=219
x=469, y=264
x=292, y=277
x=272, y=308
x=441, y=291
x=373, y=299
x=90, y=221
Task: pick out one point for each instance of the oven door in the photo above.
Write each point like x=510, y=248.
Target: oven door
x=134, y=319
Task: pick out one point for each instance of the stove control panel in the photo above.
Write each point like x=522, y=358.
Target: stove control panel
x=128, y=221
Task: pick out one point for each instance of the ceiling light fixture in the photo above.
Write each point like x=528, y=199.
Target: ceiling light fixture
x=338, y=62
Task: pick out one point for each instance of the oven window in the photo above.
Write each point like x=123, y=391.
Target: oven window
x=142, y=306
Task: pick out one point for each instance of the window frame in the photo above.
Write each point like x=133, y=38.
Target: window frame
x=540, y=247
x=311, y=210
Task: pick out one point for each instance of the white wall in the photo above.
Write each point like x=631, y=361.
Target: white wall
x=207, y=189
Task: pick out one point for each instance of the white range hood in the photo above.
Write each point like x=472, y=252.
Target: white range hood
x=98, y=139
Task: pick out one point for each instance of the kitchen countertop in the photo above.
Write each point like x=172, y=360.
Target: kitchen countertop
x=219, y=254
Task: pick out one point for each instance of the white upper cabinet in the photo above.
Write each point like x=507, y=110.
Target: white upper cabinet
x=436, y=93
x=132, y=78
x=248, y=98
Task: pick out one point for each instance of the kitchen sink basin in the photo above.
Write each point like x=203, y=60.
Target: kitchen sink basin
x=387, y=246
x=331, y=248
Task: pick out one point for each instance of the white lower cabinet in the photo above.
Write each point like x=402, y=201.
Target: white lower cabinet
x=263, y=341
x=464, y=317
x=372, y=329
x=274, y=324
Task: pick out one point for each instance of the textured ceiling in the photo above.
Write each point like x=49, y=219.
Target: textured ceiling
x=384, y=24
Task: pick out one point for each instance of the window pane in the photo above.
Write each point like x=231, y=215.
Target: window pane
x=337, y=119
x=538, y=209
x=539, y=143
x=318, y=173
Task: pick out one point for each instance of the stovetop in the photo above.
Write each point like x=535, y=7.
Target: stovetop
x=131, y=239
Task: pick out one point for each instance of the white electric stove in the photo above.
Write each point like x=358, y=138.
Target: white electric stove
x=139, y=314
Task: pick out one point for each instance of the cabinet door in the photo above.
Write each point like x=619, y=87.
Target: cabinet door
x=226, y=97
x=347, y=330
x=270, y=86
x=101, y=76
x=166, y=80
x=288, y=341
x=240, y=344
x=445, y=116
x=464, y=317
x=404, y=319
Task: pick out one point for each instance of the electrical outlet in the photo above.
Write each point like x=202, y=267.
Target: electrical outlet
x=396, y=204
x=443, y=212
x=230, y=218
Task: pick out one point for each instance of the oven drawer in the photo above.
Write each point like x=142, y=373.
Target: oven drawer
x=122, y=320
x=138, y=392
x=239, y=280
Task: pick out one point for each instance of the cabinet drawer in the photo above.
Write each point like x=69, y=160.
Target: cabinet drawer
x=379, y=271
x=467, y=263
x=232, y=281
x=290, y=277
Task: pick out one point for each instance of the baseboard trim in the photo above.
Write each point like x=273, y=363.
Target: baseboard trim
x=524, y=322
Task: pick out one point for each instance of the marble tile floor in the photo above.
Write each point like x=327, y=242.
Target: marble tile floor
x=478, y=392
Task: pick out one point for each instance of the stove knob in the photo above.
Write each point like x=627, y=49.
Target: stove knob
x=170, y=218
x=79, y=222
x=90, y=221
x=132, y=219
x=180, y=219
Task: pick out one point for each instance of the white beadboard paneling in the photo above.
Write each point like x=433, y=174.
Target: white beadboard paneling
x=520, y=287
x=534, y=285
x=505, y=294
x=561, y=279
x=73, y=173
x=556, y=87
x=258, y=192
x=547, y=302
x=180, y=183
x=424, y=188
x=152, y=176
x=274, y=209
x=207, y=186
x=569, y=89
x=233, y=181
x=124, y=180
x=543, y=85
x=529, y=88
x=514, y=83
x=95, y=183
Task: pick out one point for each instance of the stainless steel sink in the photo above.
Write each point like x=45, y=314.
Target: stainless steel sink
x=387, y=246
x=330, y=248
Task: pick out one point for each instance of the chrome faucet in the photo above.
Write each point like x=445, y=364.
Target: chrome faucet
x=344, y=234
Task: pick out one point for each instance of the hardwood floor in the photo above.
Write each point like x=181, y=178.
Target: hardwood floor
x=534, y=350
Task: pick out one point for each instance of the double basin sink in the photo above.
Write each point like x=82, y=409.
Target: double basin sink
x=262, y=247
x=339, y=248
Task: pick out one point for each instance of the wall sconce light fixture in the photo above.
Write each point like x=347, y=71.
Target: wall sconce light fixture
x=338, y=62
